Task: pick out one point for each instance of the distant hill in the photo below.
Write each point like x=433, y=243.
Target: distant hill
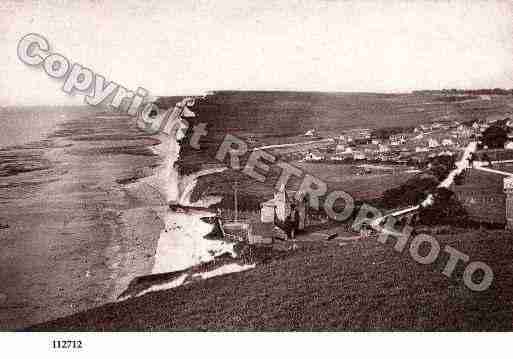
x=270, y=117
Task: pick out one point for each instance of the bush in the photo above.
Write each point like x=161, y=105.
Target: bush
x=440, y=166
x=411, y=192
x=495, y=136
x=445, y=210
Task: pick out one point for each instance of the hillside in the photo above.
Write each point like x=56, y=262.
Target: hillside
x=359, y=286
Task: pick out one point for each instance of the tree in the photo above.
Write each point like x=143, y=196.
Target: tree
x=445, y=210
x=495, y=136
x=411, y=192
x=440, y=166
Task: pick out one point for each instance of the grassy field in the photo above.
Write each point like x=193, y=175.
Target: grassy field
x=363, y=285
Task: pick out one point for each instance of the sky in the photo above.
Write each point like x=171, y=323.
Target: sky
x=186, y=47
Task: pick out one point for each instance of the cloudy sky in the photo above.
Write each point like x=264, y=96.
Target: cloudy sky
x=181, y=47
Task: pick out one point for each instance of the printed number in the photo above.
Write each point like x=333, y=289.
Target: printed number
x=67, y=344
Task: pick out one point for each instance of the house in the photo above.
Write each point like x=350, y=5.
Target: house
x=311, y=133
x=342, y=156
x=386, y=157
x=359, y=155
x=344, y=138
x=340, y=148
x=464, y=132
x=432, y=143
x=447, y=142
x=421, y=149
x=357, y=136
x=338, y=158
x=313, y=155
x=398, y=138
x=383, y=149
x=287, y=210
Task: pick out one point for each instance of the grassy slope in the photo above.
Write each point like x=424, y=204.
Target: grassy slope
x=361, y=286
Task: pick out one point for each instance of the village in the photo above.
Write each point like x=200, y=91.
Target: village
x=412, y=148
x=479, y=187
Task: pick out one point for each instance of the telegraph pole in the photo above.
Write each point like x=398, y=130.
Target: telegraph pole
x=236, y=205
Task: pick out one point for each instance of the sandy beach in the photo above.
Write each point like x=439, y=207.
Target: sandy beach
x=72, y=236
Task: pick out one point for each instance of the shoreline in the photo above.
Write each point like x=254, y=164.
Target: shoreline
x=75, y=235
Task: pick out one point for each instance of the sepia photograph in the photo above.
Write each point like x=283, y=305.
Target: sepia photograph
x=255, y=166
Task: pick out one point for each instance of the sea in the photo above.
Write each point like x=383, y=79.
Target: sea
x=81, y=207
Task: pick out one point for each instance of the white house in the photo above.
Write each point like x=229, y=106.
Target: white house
x=447, y=142
x=359, y=155
x=310, y=133
x=383, y=149
x=432, y=143
x=399, y=138
x=340, y=148
x=310, y=156
x=464, y=131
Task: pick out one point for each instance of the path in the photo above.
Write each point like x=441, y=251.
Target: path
x=292, y=144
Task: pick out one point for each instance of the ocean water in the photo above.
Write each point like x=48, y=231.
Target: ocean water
x=77, y=222
x=70, y=236
x=75, y=226
x=21, y=125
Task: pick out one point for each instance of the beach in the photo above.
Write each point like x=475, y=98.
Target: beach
x=72, y=236
x=84, y=205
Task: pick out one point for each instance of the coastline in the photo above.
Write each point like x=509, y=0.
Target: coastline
x=82, y=236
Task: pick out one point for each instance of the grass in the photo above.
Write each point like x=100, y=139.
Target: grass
x=363, y=285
